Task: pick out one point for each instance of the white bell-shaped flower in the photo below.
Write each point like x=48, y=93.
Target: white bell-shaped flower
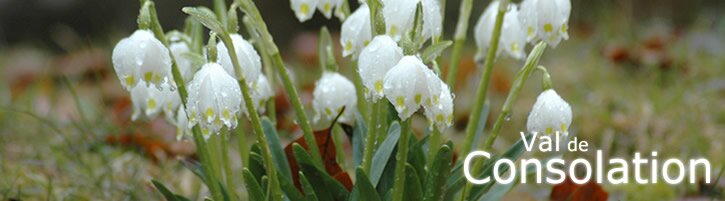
x=440, y=113
x=406, y=87
x=146, y=100
x=183, y=129
x=374, y=62
x=304, y=9
x=141, y=57
x=169, y=99
x=550, y=114
x=261, y=91
x=214, y=99
x=333, y=92
x=356, y=32
x=513, y=37
x=546, y=20
x=326, y=6
x=432, y=19
x=249, y=59
x=179, y=49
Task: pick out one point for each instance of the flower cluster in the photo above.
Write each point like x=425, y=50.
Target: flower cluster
x=535, y=20
x=143, y=65
x=304, y=9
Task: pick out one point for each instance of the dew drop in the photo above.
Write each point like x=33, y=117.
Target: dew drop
x=507, y=117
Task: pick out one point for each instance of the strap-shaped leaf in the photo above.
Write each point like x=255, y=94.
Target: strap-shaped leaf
x=206, y=17
x=168, y=195
x=512, y=154
x=307, y=188
x=363, y=189
x=432, y=52
x=325, y=186
x=435, y=182
x=384, y=152
x=413, y=188
x=290, y=190
x=358, y=139
x=278, y=155
x=254, y=190
x=325, y=52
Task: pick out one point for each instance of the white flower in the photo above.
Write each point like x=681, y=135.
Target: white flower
x=214, y=99
x=261, y=91
x=355, y=32
x=249, y=60
x=375, y=61
x=546, y=20
x=304, y=9
x=400, y=17
x=169, y=99
x=333, y=92
x=178, y=49
x=182, y=124
x=550, y=114
x=406, y=87
x=432, y=19
x=513, y=37
x=145, y=100
x=141, y=57
x=440, y=113
x=326, y=6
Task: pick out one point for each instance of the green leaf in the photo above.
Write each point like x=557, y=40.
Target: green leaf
x=480, y=126
x=167, y=193
x=278, y=155
x=206, y=17
x=387, y=180
x=325, y=51
x=307, y=188
x=512, y=154
x=256, y=166
x=325, y=186
x=358, y=139
x=233, y=19
x=384, y=153
x=363, y=189
x=254, y=191
x=435, y=182
x=195, y=167
x=290, y=190
x=498, y=191
x=412, y=183
x=432, y=52
x=416, y=155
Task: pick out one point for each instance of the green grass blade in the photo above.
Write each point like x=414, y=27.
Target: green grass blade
x=384, y=153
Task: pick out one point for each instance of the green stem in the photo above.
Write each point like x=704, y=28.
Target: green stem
x=216, y=159
x=519, y=82
x=220, y=9
x=434, y=142
x=401, y=160
x=268, y=69
x=377, y=20
x=475, y=114
x=362, y=104
x=258, y=24
x=459, y=41
x=370, y=137
x=242, y=144
x=227, y=164
x=198, y=138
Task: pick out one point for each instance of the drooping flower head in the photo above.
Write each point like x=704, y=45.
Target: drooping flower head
x=141, y=58
x=261, y=91
x=333, y=92
x=406, y=87
x=249, y=59
x=550, y=114
x=440, y=112
x=400, y=16
x=179, y=49
x=150, y=100
x=375, y=60
x=304, y=9
x=512, y=39
x=214, y=99
x=326, y=7
x=355, y=33
x=546, y=20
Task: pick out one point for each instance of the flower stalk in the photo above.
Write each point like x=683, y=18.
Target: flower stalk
x=481, y=93
x=459, y=39
x=401, y=160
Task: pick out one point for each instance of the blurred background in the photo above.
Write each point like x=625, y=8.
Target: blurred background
x=640, y=76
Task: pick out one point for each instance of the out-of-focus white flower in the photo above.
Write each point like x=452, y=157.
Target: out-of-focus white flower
x=261, y=91
x=546, y=20
x=355, y=32
x=406, y=87
x=326, y=6
x=400, y=16
x=440, y=112
x=333, y=92
x=145, y=100
x=182, y=124
x=550, y=114
x=249, y=60
x=214, y=99
x=513, y=37
x=178, y=49
x=304, y=9
x=432, y=19
x=141, y=57
x=375, y=61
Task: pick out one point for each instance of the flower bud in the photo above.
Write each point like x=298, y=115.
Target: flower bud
x=141, y=57
x=513, y=37
x=406, y=87
x=550, y=114
x=304, y=9
x=249, y=60
x=356, y=32
x=546, y=20
x=375, y=61
x=333, y=92
x=214, y=99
